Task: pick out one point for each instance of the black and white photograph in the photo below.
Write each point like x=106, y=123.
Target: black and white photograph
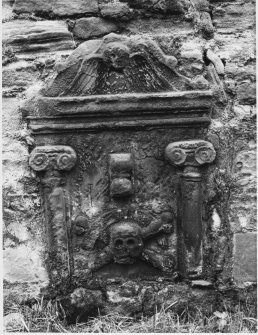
x=129, y=198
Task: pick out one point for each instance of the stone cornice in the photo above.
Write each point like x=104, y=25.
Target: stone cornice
x=121, y=111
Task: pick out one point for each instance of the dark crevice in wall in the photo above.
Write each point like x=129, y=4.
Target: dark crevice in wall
x=52, y=16
x=223, y=61
x=205, y=58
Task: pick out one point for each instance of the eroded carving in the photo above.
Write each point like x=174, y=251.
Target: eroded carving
x=83, y=231
x=126, y=242
x=51, y=160
x=200, y=13
x=220, y=259
x=191, y=155
x=58, y=157
x=216, y=61
x=57, y=206
x=216, y=83
x=121, y=64
x=85, y=299
x=121, y=187
x=81, y=225
x=121, y=175
x=205, y=154
x=121, y=164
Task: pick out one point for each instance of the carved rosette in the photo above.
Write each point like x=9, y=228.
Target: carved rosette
x=191, y=155
x=51, y=160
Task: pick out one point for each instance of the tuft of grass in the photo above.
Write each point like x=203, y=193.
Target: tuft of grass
x=49, y=316
x=42, y=316
x=166, y=321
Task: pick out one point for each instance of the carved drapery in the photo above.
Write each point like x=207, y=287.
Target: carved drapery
x=191, y=155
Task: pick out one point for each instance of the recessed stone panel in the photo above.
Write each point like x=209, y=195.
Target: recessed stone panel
x=245, y=257
x=22, y=265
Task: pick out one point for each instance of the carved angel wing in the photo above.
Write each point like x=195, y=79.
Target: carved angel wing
x=164, y=66
x=78, y=79
x=144, y=77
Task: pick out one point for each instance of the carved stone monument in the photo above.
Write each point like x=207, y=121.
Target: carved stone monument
x=122, y=156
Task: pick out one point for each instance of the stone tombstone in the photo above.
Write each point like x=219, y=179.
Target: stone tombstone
x=123, y=159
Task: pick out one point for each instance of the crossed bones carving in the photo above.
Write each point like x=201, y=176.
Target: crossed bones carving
x=128, y=241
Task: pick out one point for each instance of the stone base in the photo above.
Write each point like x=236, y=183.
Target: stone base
x=133, y=298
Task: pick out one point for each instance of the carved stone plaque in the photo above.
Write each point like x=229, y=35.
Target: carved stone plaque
x=120, y=150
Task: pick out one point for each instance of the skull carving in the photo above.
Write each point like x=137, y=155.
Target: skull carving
x=126, y=242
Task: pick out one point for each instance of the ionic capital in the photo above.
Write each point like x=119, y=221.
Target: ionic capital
x=190, y=153
x=52, y=157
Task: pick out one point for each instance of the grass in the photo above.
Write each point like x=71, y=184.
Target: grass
x=46, y=317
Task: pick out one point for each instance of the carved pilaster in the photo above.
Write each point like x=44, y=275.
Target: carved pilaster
x=50, y=161
x=191, y=155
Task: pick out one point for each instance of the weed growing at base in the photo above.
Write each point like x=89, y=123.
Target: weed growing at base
x=46, y=317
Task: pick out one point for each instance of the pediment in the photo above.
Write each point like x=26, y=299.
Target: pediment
x=120, y=64
x=120, y=82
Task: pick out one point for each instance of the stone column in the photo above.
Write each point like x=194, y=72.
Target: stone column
x=51, y=163
x=190, y=156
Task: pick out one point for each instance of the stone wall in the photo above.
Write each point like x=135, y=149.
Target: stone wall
x=39, y=35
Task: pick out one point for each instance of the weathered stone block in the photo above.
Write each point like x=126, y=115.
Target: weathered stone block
x=201, y=5
x=10, y=117
x=13, y=321
x=234, y=17
x=23, y=265
x=18, y=231
x=17, y=77
x=92, y=27
x=206, y=25
x=14, y=164
x=164, y=6
x=240, y=55
x=24, y=36
x=243, y=196
x=246, y=93
x=56, y=7
x=7, y=13
x=116, y=10
x=86, y=299
x=245, y=255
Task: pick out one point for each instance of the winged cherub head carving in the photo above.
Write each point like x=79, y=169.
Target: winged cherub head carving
x=116, y=55
x=118, y=64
